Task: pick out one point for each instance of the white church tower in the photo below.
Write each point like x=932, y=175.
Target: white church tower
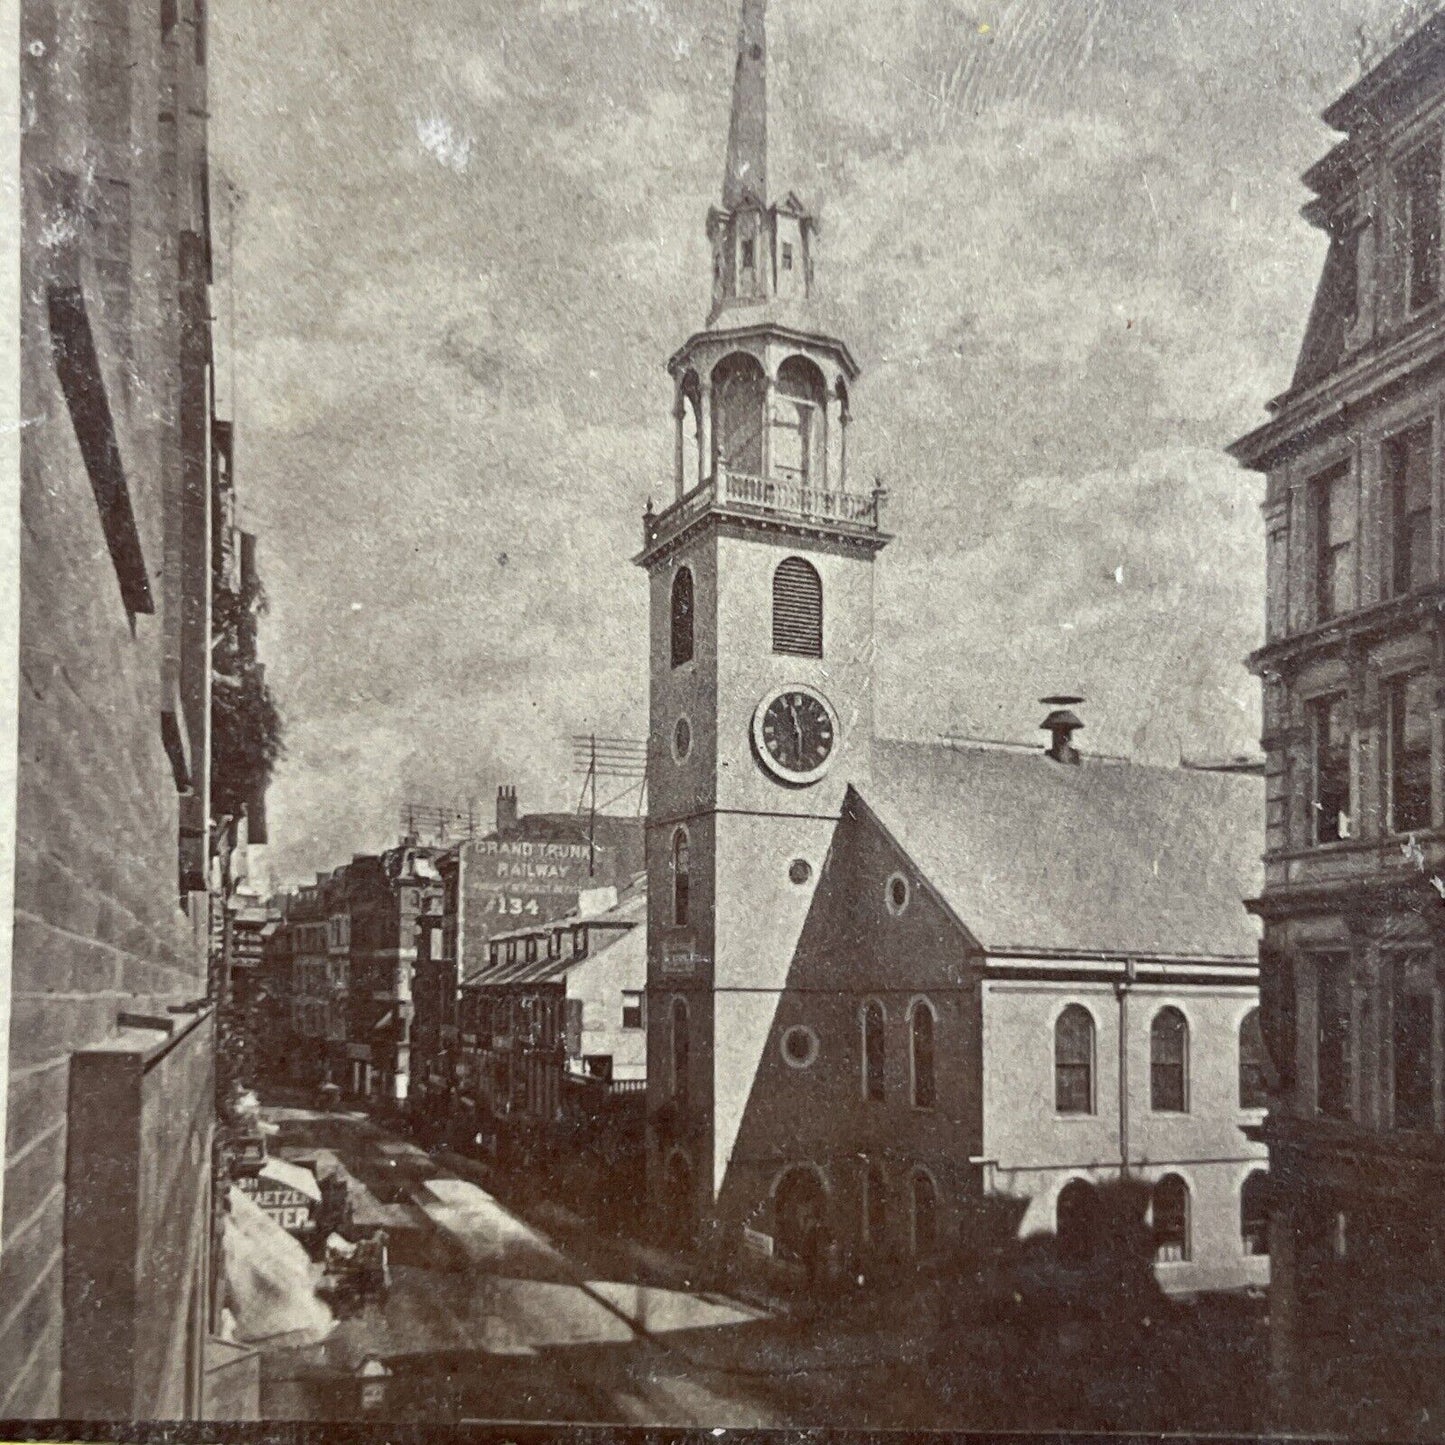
x=761, y=583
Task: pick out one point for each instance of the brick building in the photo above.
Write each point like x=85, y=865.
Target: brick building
x=531, y=869
x=1353, y=672
x=104, y=1249
x=887, y=982
x=341, y=967
x=550, y=1033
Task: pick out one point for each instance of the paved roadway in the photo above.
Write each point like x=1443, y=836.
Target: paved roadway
x=490, y=1317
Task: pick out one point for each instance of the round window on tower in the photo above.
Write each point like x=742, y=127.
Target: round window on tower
x=682, y=739
x=799, y=871
x=800, y=1046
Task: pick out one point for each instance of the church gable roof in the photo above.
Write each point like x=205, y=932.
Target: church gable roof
x=1102, y=857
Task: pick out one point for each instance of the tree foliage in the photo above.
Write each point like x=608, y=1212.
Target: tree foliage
x=246, y=729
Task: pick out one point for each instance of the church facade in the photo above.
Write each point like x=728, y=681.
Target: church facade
x=888, y=981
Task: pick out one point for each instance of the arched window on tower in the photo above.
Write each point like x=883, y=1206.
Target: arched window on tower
x=799, y=429
x=682, y=616
x=681, y=879
x=739, y=397
x=797, y=609
x=1074, y=1061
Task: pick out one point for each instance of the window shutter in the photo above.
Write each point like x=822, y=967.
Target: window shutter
x=797, y=609
x=574, y=1027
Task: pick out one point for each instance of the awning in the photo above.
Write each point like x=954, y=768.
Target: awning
x=270, y=1291
x=292, y=1176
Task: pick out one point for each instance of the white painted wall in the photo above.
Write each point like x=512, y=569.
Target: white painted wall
x=599, y=982
x=1033, y=1151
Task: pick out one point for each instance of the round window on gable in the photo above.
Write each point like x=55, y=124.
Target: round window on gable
x=800, y=1046
x=799, y=871
x=896, y=894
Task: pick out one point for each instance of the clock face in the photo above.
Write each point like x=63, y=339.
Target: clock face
x=795, y=732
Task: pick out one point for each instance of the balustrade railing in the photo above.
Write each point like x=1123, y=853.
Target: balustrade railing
x=791, y=497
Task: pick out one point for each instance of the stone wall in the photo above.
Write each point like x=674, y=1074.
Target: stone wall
x=113, y=168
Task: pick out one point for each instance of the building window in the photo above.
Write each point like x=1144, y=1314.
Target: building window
x=682, y=616
x=1169, y=1063
x=1074, y=1061
x=921, y=1033
x=797, y=609
x=875, y=1206
x=800, y=1046
x=896, y=894
x=1170, y=1202
x=787, y=256
x=634, y=1015
x=1408, y=488
x=748, y=256
x=1419, y=181
x=1253, y=1065
x=874, y=1050
x=1334, y=523
x=681, y=878
x=1334, y=1041
x=925, y=1214
x=1408, y=703
x=680, y=1049
x=531, y=950
x=492, y=955
x=1330, y=745
x=1076, y=1222
x=1413, y=1036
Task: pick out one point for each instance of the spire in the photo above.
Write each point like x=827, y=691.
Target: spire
x=747, y=162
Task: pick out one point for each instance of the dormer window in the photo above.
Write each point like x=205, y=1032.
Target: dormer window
x=1419, y=182
x=748, y=261
x=787, y=256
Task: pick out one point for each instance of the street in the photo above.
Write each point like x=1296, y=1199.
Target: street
x=487, y=1315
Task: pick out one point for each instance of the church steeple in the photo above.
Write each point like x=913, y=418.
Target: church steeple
x=746, y=173
x=761, y=251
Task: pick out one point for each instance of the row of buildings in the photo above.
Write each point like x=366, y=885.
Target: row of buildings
x=145, y=732
x=447, y=984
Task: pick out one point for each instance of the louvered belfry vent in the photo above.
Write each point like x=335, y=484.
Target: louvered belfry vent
x=797, y=609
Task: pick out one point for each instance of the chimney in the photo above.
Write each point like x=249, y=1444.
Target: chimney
x=1061, y=724
x=506, y=808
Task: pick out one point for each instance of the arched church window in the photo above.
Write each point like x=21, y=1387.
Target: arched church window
x=873, y=1050
x=682, y=616
x=681, y=880
x=921, y=1032
x=739, y=392
x=797, y=609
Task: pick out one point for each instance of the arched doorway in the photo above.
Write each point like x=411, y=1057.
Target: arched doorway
x=800, y=1219
x=1077, y=1222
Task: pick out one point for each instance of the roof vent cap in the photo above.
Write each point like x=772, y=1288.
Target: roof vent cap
x=1061, y=724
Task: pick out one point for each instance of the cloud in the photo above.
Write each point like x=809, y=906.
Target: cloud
x=1061, y=237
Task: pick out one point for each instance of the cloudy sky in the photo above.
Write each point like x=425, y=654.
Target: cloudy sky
x=460, y=237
